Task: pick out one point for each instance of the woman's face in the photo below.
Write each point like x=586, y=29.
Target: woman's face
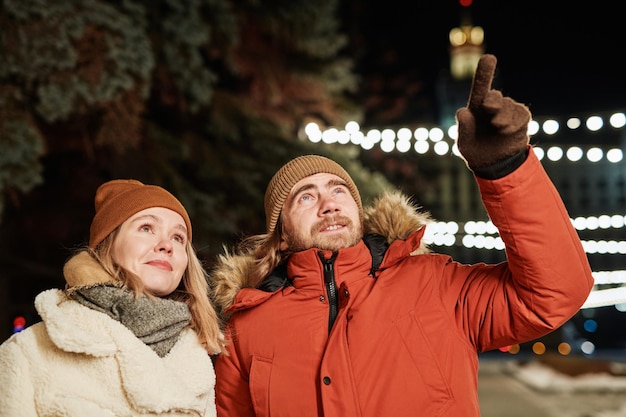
x=151, y=244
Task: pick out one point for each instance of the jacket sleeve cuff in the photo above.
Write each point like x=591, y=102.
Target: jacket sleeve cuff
x=503, y=167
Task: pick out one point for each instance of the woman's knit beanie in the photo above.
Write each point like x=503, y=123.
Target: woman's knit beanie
x=294, y=171
x=118, y=200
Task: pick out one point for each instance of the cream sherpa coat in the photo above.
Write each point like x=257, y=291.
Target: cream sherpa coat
x=80, y=362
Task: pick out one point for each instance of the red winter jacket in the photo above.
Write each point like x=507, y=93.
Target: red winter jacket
x=404, y=342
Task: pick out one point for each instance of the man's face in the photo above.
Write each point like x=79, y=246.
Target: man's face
x=320, y=213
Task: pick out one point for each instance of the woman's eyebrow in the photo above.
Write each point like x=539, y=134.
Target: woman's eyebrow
x=157, y=219
x=145, y=217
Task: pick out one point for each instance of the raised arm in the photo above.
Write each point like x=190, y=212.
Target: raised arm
x=547, y=276
x=492, y=128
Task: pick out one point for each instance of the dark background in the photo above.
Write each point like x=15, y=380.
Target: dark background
x=558, y=57
x=216, y=143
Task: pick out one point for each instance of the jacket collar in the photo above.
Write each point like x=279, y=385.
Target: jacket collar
x=393, y=215
x=306, y=268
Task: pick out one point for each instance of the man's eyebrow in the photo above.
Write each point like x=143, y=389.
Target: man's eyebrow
x=297, y=191
x=334, y=182
x=309, y=186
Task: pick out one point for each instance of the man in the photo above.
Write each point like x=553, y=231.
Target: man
x=343, y=311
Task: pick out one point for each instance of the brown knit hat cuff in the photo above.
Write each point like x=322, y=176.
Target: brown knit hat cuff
x=116, y=201
x=294, y=171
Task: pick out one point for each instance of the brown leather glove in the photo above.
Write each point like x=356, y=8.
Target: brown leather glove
x=491, y=127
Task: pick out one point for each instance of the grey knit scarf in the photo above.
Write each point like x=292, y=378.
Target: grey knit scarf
x=157, y=322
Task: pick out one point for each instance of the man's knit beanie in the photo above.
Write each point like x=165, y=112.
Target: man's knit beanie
x=294, y=171
x=117, y=200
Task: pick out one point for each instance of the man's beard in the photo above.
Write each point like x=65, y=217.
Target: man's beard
x=315, y=239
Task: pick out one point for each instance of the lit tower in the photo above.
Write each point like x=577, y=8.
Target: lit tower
x=466, y=45
x=457, y=191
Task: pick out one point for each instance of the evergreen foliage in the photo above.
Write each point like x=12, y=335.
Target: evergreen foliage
x=204, y=97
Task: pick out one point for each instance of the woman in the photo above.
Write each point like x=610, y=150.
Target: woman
x=133, y=332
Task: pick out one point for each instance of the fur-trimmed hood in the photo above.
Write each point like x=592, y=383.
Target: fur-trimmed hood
x=392, y=215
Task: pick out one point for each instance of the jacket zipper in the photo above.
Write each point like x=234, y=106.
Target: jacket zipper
x=331, y=287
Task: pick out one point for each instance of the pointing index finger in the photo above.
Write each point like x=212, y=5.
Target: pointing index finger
x=482, y=80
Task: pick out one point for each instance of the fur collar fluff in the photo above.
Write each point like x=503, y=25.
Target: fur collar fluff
x=392, y=215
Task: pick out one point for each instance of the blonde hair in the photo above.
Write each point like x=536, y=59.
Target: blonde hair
x=265, y=248
x=193, y=290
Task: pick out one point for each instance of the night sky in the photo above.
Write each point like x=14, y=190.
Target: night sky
x=558, y=57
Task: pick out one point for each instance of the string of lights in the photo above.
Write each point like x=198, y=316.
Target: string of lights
x=442, y=141
x=483, y=234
